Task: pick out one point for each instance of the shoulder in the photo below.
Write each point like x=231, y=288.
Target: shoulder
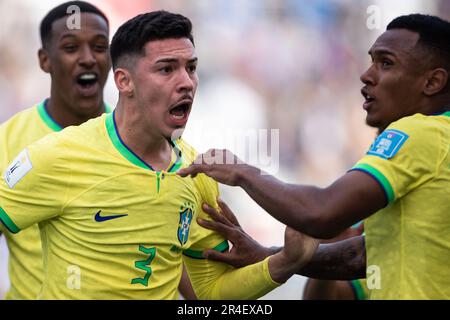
x=408, y=134
x=21, y=119
x=417, y=124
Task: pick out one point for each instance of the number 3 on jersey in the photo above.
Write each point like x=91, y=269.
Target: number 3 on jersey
x=145, y=265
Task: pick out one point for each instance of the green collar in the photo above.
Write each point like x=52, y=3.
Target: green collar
x=45, y=116
x=111, y=128
x=50, y=122
x=447, y=114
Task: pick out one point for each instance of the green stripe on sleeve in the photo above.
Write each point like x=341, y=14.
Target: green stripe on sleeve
x=382, y=180
x=358, y=289
x=197, y=254
x=9, y=224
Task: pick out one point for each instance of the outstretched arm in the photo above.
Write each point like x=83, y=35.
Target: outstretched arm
x=342, y=260
x=319, y=212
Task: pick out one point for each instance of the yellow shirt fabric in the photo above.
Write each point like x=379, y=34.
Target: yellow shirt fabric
x=113, y=228
x=25, y=251
x=409, y=240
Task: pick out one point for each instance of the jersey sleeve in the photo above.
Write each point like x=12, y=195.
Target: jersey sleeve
x=216, y=280
x=32, y=187
x=402, y=157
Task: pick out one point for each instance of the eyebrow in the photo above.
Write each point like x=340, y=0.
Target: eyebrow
x=172, y=60
x=71, y=35
x=381, y=52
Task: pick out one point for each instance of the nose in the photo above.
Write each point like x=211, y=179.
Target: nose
x=87, y=58
x=187, y=81
x=369, y=76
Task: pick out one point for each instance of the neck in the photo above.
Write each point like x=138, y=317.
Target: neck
x=150, y=146
x=64, y=114
x=440, y=105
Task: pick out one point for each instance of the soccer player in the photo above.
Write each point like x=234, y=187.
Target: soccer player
x=115, y=218
x=401, y=188
x=78, y=63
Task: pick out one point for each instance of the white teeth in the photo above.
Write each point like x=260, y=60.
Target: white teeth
x=178, y=117
x=88, y=76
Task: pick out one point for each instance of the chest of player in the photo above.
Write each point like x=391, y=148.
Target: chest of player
x=133, y=208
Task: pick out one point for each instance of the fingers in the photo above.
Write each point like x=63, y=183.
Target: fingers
x=192, y=170
x=218, y=256
x=213, y=213
x=220, y=228
x=226, y=211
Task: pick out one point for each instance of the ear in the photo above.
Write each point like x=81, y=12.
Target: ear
x=124, y=82
x=436, y=81
x=44, y=60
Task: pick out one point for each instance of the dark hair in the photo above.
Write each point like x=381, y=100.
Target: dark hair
x=131, y=37
x=434, y=34
x=60, y=12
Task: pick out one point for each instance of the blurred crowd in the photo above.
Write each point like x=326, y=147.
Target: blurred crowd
x=291, y=65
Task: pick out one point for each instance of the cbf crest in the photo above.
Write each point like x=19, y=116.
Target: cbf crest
x=186, y=215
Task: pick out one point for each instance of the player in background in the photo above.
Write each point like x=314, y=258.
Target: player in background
x=400, y=188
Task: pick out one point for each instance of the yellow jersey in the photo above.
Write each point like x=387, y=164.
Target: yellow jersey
x=112, y=227
x=25, y=253
x=408, y=242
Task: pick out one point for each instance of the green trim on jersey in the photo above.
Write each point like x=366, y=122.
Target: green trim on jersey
x=447, y=114
x=197, y=254
x=108, y=108
x=52, y=124
x=129, y=155
x=356, y=285
x=384, y=182
x=48, y=120
x=9, y=224
x=117, y=142
x=178, y=162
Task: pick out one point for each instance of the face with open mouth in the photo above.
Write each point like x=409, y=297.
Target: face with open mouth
x=393, y=83
x=78, y=61
x=165, y=81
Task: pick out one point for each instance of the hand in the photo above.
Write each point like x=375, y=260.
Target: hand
x=221, y=165
x=297, y=251
x=245, y=249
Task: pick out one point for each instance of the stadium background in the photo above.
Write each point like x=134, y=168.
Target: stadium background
x=269, y=64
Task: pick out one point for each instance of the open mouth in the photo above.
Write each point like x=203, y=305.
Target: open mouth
x=87, y=79
x=368, y=98
x=87, y=84
x=181, y=110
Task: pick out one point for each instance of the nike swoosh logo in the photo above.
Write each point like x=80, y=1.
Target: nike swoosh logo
x=100, y=218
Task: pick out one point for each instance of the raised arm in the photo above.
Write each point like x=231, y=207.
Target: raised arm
x=319, y=212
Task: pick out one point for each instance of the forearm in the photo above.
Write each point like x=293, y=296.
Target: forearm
x=294, y=205
x=221, y=281
x=343, y=260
